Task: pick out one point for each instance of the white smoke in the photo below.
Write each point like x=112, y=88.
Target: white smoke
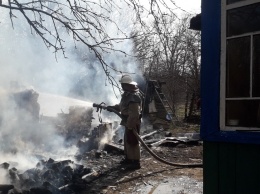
x=26, y=60
x=23, y=139
x=4, y=179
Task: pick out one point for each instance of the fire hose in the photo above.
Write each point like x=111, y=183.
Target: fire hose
x=194, y=165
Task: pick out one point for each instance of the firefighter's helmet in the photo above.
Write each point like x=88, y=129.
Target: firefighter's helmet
x=127, y=79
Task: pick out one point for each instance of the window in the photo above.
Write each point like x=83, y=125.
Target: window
x=240, y=65
x=233, y=1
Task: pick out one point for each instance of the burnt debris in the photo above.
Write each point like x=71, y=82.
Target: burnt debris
x=94, y=160
x=49, y=176
x=27, y=100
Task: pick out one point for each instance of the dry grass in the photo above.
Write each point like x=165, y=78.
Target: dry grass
x=182, y=126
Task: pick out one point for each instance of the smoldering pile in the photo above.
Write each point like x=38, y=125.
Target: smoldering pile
x=62, y=176
x=49, y=176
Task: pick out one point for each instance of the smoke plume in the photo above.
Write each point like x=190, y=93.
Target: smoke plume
x=26, y=60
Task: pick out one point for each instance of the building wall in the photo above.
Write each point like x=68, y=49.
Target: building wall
x=231, y=168
x=231, y=159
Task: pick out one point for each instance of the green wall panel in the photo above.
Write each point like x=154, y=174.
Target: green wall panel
x=231, y=168
x=247, y=169
x=210, y=169
x=227, y=168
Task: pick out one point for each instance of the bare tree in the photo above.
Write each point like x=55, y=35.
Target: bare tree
x=83, y=20
x=170, y=52
x=80, y=19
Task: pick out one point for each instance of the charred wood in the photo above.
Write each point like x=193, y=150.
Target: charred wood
x=39, y=190
x=114, y=148
x=4, y=165
x=47, y=185
x=149, y=134
x=5, y=188
x=14, y=175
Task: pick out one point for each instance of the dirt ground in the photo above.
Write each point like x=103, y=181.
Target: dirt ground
x=111, y=178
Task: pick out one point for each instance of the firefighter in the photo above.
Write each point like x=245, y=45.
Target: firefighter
x=130, y=109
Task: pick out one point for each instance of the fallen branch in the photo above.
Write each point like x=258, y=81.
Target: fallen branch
x=149, y=134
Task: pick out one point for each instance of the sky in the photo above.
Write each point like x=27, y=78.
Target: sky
x=191, y=6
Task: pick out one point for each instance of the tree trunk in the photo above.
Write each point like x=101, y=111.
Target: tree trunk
x=191, y=108
x=186, y=105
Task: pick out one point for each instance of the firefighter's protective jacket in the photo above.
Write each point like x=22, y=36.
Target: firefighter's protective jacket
x=130, y=108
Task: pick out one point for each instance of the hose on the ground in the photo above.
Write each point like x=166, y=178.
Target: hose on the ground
x=191, y=165
x=162, y=160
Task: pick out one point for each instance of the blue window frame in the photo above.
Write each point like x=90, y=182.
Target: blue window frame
x=229, y=109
